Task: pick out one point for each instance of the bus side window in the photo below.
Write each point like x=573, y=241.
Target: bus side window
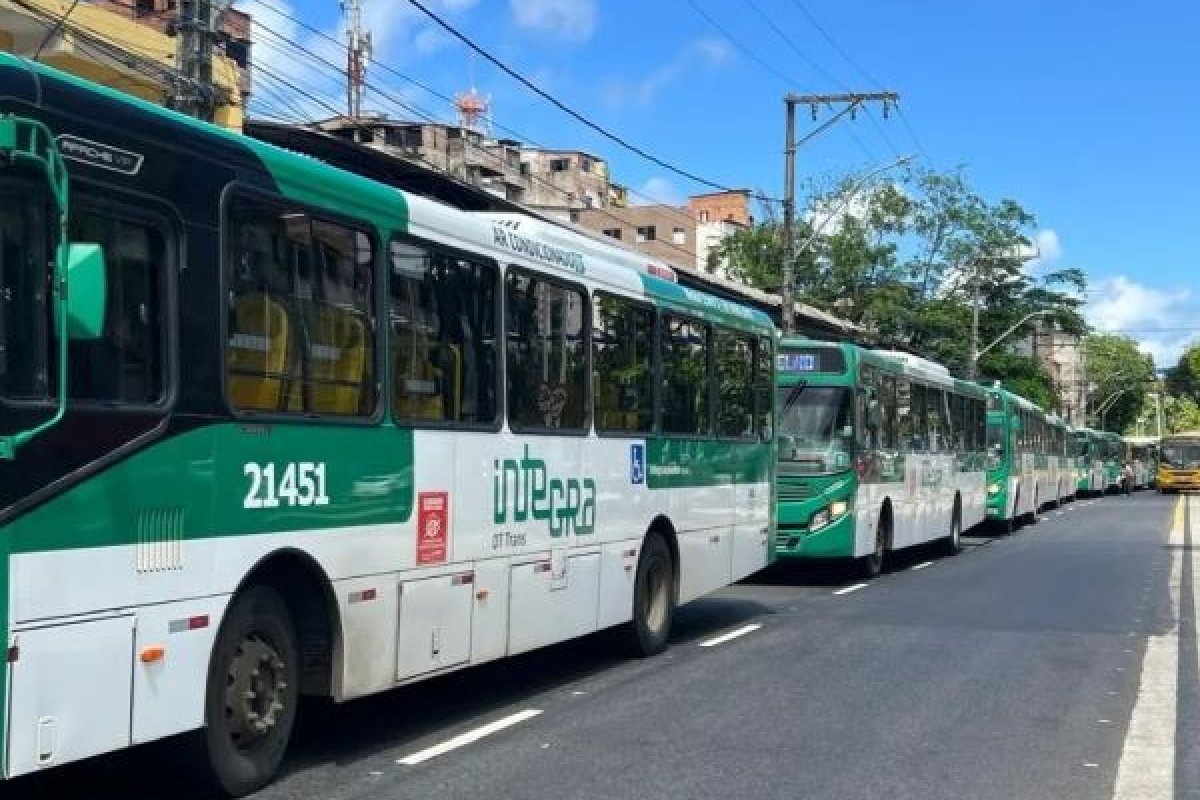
x=442, y=321
x=622, y=364
x=685, y=376
x=735, y=384
x=546, y=353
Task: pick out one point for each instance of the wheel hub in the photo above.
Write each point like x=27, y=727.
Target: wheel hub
x=254, y=691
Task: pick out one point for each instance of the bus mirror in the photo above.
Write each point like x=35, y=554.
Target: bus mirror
x=87, y=291
x=848, y=432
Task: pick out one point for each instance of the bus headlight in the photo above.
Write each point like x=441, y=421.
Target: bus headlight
x=993, y=488
x=837, y=508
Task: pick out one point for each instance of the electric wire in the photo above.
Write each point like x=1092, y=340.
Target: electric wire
x=55, y=29
x=578, y=116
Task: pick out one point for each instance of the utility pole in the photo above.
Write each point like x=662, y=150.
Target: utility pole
x=196, y=96
x=358, y=55
x=850, y=101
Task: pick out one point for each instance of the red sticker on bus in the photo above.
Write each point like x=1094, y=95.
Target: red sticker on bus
x=433, y=527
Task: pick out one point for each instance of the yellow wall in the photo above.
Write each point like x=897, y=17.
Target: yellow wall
x=114, y=29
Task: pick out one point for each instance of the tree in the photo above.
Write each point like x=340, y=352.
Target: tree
x=1119, y=375
x=1184, y=377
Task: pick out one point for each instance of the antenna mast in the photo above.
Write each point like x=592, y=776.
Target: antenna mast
x=358, y=55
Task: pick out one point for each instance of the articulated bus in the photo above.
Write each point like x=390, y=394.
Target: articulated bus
x=1028, y=465
x=1179, y=462
x=1089, y=454
x=1142, y=453
x=271, y=429
x=877, y=452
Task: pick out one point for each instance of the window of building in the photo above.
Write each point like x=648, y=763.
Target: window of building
x=678, y=236
x=585, y=164
x=735, y=384
x=560, y=164
x=443, y=343
x=646, y=233
x=623, y=364
x=613, y=232
x=526, y=168
x=301, y=312
x=128, y=363
x=704, y=216
x=685, y=376
x=546, y=354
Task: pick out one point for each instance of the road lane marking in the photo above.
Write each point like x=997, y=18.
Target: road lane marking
x=1147, y=766
x=854, y=588
x=733, y=634
x=922, y=565
x=464, y=739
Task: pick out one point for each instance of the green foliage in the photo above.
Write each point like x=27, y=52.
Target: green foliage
x=1184, y=377
x=909, y=259
x=1119, y=376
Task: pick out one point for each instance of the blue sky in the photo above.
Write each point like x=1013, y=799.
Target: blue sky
x=1085, y=111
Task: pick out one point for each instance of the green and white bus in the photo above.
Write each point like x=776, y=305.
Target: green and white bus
x=877, y=452
x=1028, y=465
x=1111, y=449
x=1089, y=455
x=280, y=430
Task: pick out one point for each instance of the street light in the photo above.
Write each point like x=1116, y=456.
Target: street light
x=1023, y=253
x=978, y=354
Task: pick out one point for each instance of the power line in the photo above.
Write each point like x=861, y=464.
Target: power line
x=53, y=30
x=413, y=109
x=812, y=19
x=799, y=51
x=533, y=87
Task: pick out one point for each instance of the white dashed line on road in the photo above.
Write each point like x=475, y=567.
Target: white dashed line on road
x=922, y=565
x=469, y=737
x=854, y=588
x=733, y=634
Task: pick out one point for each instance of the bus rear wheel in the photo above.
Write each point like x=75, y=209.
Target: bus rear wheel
x=952, y=544
x=253, y=692
x=870, y=565
x=653, y=598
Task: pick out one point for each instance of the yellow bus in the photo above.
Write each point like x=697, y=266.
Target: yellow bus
x=1179, y=462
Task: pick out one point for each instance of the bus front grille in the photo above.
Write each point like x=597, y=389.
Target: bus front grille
x=794, y=489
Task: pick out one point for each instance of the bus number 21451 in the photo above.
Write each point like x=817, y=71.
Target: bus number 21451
x=295, y=484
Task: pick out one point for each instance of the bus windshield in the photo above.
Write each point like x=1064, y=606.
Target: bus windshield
x=995, y=444
x=24, y=261
x=816, y=427
x=1181, y=455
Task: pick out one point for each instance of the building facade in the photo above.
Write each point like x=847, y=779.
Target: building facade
x=130, y=45
x=662, y=231
x=1062, y=355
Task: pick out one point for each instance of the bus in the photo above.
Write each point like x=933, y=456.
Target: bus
x=1028, y=466
x=1089, y=454
x=1179, y=462
x=271, y=430
x=1141, y=452
x=1112, y=452
x=878, y=451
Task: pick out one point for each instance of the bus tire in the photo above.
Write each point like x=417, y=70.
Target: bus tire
x=1035, y=514
x=871, y=565
x=952, y=544
x=653, y=598
x=253, y=691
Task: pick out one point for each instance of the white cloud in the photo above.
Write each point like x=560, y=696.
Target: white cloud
x=1162, y=320
x=1050, y=252
x=705, y=52
x=574, y=20
x=658, y=191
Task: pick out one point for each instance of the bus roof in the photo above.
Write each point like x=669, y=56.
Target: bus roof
x=507, y=237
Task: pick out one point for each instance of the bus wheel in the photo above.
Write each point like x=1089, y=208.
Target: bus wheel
x=952, y=544
x=253, y=691
x=1035, y=515
x=869, y=566
x=653, y=598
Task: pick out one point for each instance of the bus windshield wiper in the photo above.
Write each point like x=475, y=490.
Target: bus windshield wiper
x=795, y=393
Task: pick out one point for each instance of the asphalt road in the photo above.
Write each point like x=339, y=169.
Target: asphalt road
x=1010, y=671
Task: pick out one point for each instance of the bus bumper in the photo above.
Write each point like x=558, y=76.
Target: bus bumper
x=1179, y=483
x=835, y=540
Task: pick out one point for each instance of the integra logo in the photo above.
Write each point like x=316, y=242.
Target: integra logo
x=523, y=489
x=96, y=154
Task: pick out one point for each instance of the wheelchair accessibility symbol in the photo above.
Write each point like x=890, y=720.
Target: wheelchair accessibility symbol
x=637, y=464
